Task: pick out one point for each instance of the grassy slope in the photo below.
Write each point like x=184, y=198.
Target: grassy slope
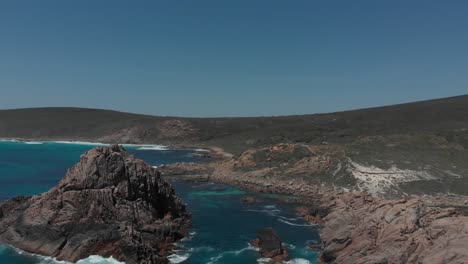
x=430, y=135
x=442, y=116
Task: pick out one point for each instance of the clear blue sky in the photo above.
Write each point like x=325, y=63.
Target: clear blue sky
x=231, y=58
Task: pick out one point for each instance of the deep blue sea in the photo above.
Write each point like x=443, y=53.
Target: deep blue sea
x=222, y=224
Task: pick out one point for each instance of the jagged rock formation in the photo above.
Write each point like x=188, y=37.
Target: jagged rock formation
x=109, y=204
x=270, y=246
x=365, y=229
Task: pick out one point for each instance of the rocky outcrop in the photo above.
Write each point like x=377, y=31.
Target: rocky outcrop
x=269, y=245
x=357, y=227
x=109, y=204
x=365, y=229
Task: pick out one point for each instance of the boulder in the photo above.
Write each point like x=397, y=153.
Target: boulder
x=270, y=245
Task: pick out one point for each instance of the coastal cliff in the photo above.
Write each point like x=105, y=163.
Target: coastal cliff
x=109, y=204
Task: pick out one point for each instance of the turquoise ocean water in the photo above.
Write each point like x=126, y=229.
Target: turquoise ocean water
x=222, y=224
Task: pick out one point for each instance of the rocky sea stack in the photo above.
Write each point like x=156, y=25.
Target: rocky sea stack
x=109, y=204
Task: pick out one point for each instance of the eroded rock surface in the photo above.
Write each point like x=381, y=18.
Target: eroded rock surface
x=365, y=229
x=109, y=204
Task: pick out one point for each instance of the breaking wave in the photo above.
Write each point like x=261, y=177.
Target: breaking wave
x=272, y=210
x=298, y=261
x=148, y=147
x=49, y=260
x=178, y=257
x=99, y=260
x=78, y=143
x=234, y=252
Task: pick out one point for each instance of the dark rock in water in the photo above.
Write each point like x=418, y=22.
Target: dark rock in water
x=218, y=189
x=109, y=204
x=204, y=155
x=270, y=245
x=249, y=199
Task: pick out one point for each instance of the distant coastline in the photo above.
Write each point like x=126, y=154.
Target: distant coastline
x=87, y=143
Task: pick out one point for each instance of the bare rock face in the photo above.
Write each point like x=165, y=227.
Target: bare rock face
x=109, y=204
x=365, y=229
x=270, y=245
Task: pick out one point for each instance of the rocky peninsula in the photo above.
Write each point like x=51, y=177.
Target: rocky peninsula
x=363, y=219
x=109, y=204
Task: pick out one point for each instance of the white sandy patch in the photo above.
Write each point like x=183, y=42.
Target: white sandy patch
x=376, y=180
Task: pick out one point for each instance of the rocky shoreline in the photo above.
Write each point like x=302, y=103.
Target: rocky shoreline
x=109, y=204
x=356, y=227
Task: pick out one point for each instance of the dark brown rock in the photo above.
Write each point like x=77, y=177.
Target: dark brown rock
x=109, y=204
x=270, y=245
x=249, y=199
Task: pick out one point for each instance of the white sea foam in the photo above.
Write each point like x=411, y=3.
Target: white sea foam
x=235, y=252
x=178, y=258
x=288, y=218
x=86, y=143
x=201, y=150
x=79, y=143
x=8, y=140
x=202, y=249
x=272, y=210
x=189, y=237
x=290, y=246
x=298, y=261
x=33, y=142
x=89, y=260
x=293, y=224
x=138, y=146
x=146, y=147
x=99, y=260
x=49, y=260
x=263, y=260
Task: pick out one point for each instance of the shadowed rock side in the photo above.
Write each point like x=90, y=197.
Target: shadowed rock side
x=109, y=204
